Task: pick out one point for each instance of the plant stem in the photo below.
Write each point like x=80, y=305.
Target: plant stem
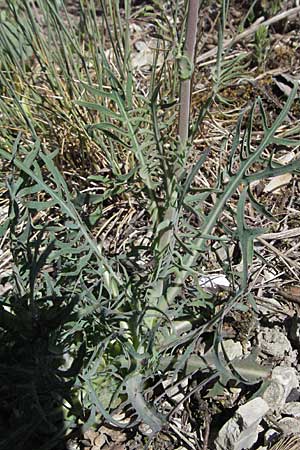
x=183, y=121
x=186, y=85
x=170, y=216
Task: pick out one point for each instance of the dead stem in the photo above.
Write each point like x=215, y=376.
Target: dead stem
x=250, y=31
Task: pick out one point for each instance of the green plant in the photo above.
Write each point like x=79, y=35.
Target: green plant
x=271, y=7
x=129, y=319
x=261, y=46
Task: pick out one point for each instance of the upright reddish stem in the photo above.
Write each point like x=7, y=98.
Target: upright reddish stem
x=186, y=85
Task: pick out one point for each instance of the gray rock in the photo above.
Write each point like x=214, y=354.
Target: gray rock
x=287, y=377
x=273, y=342
x=233, y=349
x=292, y=409
x=241, y=431
x=72, y=445
x=274, y=395
x=270, y=436
x=283, y=380
x=289, y=425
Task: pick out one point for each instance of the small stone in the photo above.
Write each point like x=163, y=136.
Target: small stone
x=273, y=342
x=283, y=381
x=73, y=445
x=233, y=349
x=91, y=435
x=270, y=436
x=145, y=429
x=241, y=431
x=214, y=282
x=140, y=46
x=289, y=425
x=274, y=395
x=292, y=409
x=100, y=440
x=287, y=377
x=294, y=395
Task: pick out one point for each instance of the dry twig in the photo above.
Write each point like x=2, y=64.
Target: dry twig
x=250, y=31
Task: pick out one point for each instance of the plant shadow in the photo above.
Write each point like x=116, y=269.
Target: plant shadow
x=36, y=376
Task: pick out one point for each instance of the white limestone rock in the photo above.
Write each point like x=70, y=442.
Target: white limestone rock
x=283, y=380
x=241, y=431
x=274, y=395
x=292, y=409
x=233, y=349
x=289, y=425
x=287, y=377
x=273, y=342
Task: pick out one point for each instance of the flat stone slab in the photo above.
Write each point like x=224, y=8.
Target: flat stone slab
x=241, y=431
